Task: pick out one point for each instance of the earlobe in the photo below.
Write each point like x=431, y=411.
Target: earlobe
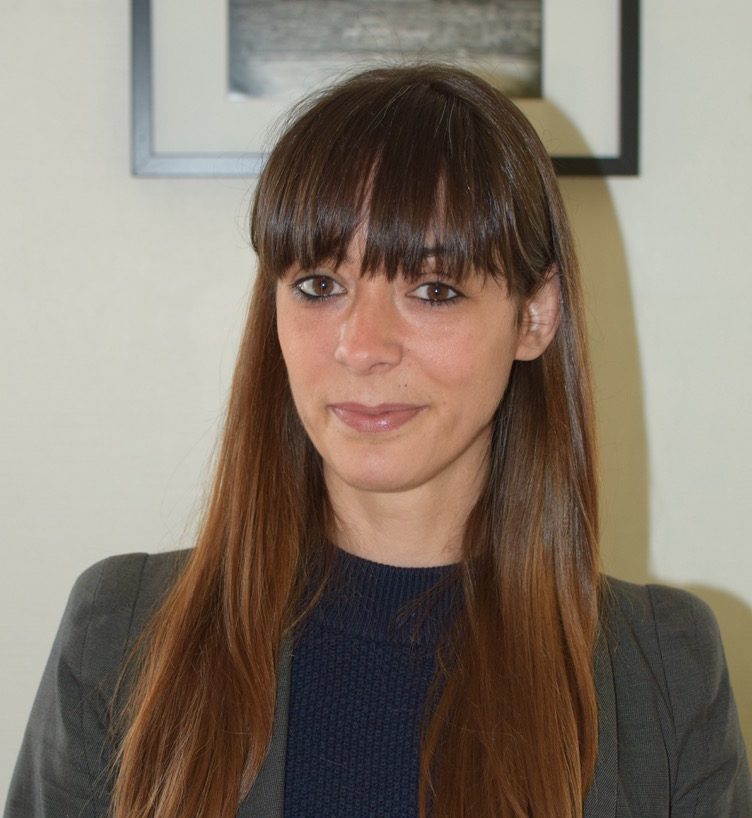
x=540, y=318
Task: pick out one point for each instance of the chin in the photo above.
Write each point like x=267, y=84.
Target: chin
x=381, y=486
x=378, y=478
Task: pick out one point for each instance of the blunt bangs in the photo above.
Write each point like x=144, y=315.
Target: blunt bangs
x=424, y=159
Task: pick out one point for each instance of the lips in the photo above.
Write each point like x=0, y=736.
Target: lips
x=382, y=418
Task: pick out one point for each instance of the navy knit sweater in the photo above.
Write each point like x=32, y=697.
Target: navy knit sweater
x=360, y=675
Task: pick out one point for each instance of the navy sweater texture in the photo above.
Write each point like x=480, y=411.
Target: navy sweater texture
x=361, y=671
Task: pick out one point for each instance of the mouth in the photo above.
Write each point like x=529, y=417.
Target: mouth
x=385, y=417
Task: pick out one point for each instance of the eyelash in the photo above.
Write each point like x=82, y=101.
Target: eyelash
x=444, y=302
x=298, y=292
x=304, y=296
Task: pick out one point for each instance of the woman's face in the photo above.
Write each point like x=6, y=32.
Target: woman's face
x=396, y=383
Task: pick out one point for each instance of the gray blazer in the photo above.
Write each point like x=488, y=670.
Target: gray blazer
x=670, y=744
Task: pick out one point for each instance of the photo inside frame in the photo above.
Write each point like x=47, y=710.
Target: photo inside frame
x=280, y=48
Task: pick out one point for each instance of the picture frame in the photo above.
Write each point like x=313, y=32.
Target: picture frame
x=205, y=134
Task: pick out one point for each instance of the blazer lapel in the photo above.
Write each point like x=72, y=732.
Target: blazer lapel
x=266, y=797
x=601, y=797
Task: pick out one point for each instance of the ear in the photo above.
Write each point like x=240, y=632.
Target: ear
x=539, y=318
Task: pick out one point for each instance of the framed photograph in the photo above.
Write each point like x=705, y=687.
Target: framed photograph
x=211, y=81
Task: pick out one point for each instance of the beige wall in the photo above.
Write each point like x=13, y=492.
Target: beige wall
x=120, y=302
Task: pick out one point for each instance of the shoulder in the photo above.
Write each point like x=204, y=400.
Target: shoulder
x=677, y=720
x=126, y=586
x=120, y=577
x=663, y=638
x=660, y=614
x=109, y=605
x=674, y=632
x=63, y=765
x=111, y=600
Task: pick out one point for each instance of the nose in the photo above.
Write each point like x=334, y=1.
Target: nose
x=369, y=335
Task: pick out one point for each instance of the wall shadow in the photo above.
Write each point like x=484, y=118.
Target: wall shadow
x=622, y=432
x=617, y=376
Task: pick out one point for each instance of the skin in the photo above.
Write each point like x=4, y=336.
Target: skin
x=401, y=496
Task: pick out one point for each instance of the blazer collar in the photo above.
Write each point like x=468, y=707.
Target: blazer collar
x=266, y=797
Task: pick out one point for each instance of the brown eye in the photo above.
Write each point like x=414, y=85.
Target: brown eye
x=318, y=287
x=436, y=292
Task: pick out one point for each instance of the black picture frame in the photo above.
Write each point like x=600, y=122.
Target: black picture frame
x=148, y=162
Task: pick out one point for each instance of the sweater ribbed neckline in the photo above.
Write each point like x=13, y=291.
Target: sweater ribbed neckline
x=388, y=603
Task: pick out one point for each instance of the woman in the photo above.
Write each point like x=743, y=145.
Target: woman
x=394, y=606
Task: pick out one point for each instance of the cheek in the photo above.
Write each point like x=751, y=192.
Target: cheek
x=474, y=366
x=306, y=353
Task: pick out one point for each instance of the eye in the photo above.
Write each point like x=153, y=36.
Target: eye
x=436, y=293
x=317, y=288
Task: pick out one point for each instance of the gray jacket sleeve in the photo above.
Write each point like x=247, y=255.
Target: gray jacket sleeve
x=710, y=773
x=62, y=769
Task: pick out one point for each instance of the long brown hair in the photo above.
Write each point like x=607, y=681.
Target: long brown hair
x=510, y=727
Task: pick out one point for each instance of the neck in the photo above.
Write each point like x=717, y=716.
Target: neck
x=421, y=527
